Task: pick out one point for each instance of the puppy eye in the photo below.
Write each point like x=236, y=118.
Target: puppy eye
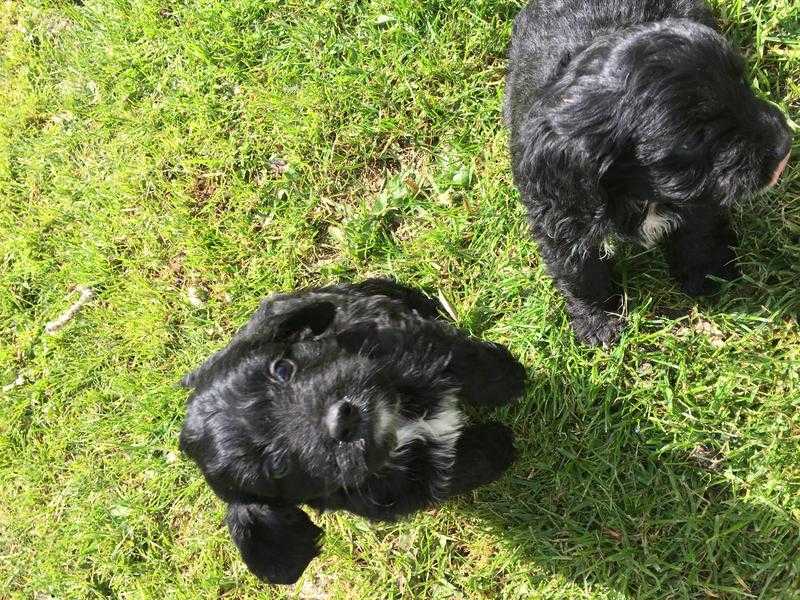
x=277, y=465
x=280, y=468
x=282, y=369
x=696, y=139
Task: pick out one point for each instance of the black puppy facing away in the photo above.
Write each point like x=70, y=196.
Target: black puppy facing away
x=343, y=397
x=632, y=120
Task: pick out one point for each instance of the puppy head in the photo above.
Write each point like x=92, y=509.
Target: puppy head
x=664, y=112
x=290, y=411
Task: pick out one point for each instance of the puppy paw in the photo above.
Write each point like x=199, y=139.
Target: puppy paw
x=701, y=283
x=487, y=373
x=483, y=453
x=276, y=545
x=499, y=445
x=493, y=444
x=511, y=373
x=597, y=328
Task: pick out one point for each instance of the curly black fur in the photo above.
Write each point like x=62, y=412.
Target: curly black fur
x=632, y=119
x=343, y=397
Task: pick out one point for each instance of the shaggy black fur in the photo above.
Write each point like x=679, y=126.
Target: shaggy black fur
x=631, y=119
x=343, y=397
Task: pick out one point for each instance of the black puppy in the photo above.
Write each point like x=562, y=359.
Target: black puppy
x=632, y=119
x=343, y=397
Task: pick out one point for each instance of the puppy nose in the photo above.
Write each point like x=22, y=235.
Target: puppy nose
x=784, y=144
x=342, y=421
x=776, y=124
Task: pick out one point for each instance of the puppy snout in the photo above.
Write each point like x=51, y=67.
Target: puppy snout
x=343, y=421
x=784, y=143
x=775, y=122
x=780, y=142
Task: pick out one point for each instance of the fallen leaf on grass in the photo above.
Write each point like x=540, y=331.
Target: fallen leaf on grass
x=16, y=383
x=278, y=165
x=707, y=458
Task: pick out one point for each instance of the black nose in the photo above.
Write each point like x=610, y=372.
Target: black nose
x=784, y=143
x=343, y=420
x=776, y=121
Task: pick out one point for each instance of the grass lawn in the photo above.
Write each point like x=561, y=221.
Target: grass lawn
x=184, y=158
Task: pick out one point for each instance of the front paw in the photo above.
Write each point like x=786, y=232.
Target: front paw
x=483, y=453
x=505, y=376
x=699, y=282
x=497, y=445
x=597, y=327
x=487, y=373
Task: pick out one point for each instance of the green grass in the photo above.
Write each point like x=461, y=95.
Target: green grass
x=139, y=147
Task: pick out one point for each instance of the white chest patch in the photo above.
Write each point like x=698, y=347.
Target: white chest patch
x=443, y=428
x=656, y=225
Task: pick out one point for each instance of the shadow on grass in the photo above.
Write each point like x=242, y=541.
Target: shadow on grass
x=767, y=253
x=606, y=508
x=596, y=499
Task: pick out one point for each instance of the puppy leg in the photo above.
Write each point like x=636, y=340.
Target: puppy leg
x=700, y=247
x=483, y=453
x=275, y=544
x=590, y=298
x=487, y=373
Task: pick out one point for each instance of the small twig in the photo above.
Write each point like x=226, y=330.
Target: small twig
x=16, y=383
x=446, y=305
x=195, y=296
x=86, y=295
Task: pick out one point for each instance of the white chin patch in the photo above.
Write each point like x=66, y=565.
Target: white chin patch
x=443, y=427
x=655, y=226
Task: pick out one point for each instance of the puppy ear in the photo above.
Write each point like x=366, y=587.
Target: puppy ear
x=309, y=319
x=276, y=544
x=424, y=306
x=192, y=379
x=566, y=145
x=288, y=318
x=577, y=128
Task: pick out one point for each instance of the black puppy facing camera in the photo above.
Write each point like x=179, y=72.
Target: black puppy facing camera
x=633, y=120
x=343, y=397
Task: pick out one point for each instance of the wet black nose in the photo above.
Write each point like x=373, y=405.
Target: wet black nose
x=784, y=143
x=343, y=420
x=776, y=122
